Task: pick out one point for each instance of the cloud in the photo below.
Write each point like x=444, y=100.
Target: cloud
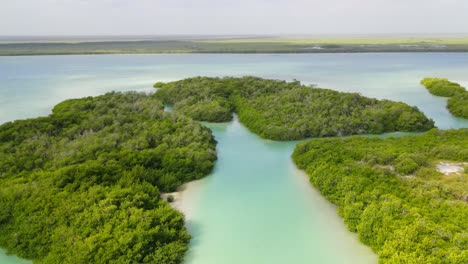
x=108, y=17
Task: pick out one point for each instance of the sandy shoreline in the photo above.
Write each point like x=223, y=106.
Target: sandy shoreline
x=186, y=198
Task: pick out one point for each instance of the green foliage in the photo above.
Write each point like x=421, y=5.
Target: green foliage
x=199, y=98
x=390, y=193
x=409, y=163
x=458, y=105
x=442, y=87
x=458, y=102
x=282, y=110
x=83, y=184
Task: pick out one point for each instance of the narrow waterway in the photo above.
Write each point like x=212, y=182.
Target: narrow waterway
x=258, y=208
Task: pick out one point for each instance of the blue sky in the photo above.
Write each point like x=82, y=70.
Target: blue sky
x=179, y=17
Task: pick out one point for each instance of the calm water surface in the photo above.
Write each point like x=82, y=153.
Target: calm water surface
x=8, y=259
x=256, y=207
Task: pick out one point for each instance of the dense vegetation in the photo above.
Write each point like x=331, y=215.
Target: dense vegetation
x=390, y=193
x=442, y=87
x=83, y=184
x=458, y=105
x=458, y=102
x=288, y=110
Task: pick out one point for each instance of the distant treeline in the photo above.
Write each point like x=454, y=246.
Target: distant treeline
x=390, y=193
x=268, y=45
x=283, y=110
x=458, y=101
x=83, y=184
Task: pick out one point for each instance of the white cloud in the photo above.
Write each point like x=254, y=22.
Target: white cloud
x=87, y=17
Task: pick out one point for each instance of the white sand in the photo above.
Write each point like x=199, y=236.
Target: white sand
x=185, y=199
x=449, y=168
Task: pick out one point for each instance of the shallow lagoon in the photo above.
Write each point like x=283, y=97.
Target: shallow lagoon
x=256, y=207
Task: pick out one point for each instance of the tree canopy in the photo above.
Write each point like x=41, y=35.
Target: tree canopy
x=283, y=110
x=390, y=192
x=458, y=102
x=458, y=105
x=83, y=184
x=442, y=87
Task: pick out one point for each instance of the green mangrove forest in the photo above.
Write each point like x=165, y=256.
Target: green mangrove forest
x=458, y=96
x=83, y=185
x=391, y=193
x=281, y=110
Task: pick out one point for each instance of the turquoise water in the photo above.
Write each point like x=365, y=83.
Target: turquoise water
x=256, y=207
x=8, y=259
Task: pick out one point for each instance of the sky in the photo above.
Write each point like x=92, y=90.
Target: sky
x=232, y=17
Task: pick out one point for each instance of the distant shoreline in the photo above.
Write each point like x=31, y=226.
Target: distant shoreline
x=241, y=45
x=248, y=52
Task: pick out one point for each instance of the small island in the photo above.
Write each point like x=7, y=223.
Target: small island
x=83, y=185
x=281, y=110
x=458, y=95
x=405, y=197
